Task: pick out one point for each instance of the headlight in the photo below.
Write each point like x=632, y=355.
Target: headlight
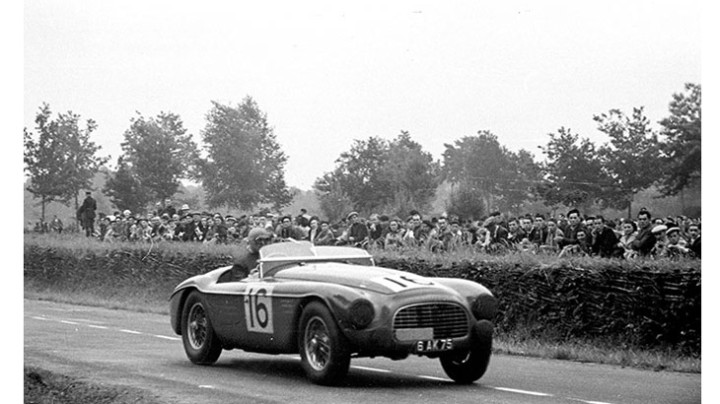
x=484, y=307
x=362, y=313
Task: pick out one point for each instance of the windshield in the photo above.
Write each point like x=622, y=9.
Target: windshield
x=275, y=257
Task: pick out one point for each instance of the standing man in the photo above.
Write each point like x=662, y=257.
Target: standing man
x=694, y=243
x=574, y=226
x=539, y=232
x=196, y=230
x=515, y=231
x=86, y=214
x=645, y=239
x=604, y=240
x=550, y=243
x=169, y=209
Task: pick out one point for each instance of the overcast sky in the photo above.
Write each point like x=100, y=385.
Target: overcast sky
x=328, y=73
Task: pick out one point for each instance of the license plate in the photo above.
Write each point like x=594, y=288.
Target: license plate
x=434, y=345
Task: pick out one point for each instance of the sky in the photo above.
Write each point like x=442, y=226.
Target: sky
x=329, y=73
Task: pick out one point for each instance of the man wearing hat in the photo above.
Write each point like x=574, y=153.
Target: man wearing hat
x=357, y=233
x=675, y=244
x=183, y=229
x=184, y=210
x=86, y=214
x=248, y=260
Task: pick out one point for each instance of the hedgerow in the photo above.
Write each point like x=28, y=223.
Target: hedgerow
x=643, y=304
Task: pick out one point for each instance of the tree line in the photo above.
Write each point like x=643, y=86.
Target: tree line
x=240, y=164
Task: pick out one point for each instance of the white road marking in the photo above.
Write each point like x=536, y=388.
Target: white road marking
x=206, y=386
x=83, y=320
x=531, y=393
x=102, y=327
x=593, y=402
x=40, y=318
x=68, y=322
x=372, y=369
x=166, y=337
x=129, y=331
x=439, y=379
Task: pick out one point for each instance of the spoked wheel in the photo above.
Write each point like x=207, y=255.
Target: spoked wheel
x=201, y=344
x=469, y=366
x=324, y=352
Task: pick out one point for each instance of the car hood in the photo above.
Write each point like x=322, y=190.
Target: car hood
x=377, y=279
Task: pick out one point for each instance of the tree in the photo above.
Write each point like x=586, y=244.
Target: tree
x=159, y=153
x=375, y=174
x=522, y=176
x=502, y=179
x=681, y=146
x=631, y=157
x=334, y=202
x=81, y=162
x=244, y=164
x=62, y=161
x=466, y=203
x=574, y=173
x=358, y=175
x=411, y=175
x=124, y=189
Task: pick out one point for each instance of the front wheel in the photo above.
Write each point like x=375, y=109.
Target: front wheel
x=324, y=352
x=469, y=366
x=201, y=344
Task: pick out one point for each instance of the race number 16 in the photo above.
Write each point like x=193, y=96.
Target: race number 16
x=258, y=310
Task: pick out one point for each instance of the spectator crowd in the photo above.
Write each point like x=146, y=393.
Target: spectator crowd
x=570, y=234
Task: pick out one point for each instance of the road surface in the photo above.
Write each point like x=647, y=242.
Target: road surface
x=140, y=350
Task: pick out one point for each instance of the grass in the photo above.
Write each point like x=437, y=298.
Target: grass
x=581, y=351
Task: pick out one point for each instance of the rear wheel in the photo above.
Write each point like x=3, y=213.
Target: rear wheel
x=468, y=366
x=324, y=352
x=201, y=344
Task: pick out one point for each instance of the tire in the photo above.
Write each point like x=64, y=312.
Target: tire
x=201, y=344
x=468, y=366
x=324, y=353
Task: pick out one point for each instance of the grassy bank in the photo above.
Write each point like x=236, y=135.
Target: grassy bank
x=45, y=387
x=141, y=277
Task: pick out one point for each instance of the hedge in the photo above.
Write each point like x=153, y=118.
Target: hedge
x=649, y=304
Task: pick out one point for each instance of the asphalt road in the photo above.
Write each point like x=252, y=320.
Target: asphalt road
x=140, y=350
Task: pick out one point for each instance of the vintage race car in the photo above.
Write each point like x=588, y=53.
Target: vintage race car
x=331, y=304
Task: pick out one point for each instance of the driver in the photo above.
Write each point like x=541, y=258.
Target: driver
x=248, y=260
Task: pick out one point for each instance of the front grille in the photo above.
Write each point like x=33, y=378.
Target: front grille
x=447, y=320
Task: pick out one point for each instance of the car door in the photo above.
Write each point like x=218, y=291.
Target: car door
x=244, y=313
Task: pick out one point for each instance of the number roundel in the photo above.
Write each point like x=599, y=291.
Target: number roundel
x=258, y=309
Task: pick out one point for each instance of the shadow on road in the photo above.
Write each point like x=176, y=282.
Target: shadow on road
x=283, y=369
